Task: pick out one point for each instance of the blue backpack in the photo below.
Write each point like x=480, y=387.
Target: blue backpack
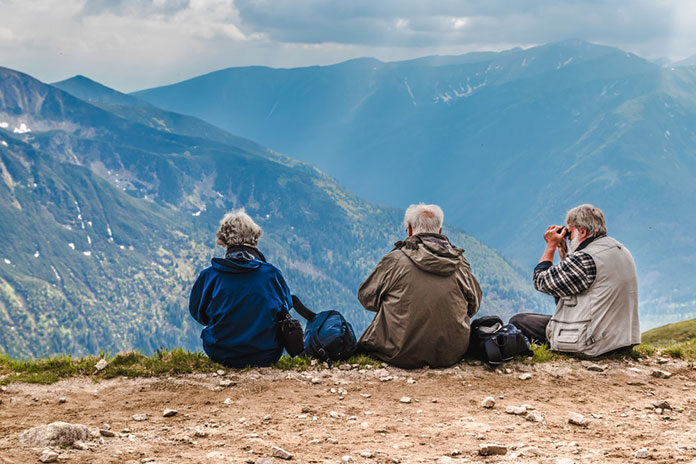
x=327, y=336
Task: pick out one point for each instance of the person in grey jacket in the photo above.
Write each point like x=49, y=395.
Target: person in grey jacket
x=595, y=287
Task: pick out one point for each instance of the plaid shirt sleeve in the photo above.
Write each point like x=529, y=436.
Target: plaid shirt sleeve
x=571, y=276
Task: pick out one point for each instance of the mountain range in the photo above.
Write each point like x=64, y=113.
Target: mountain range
x=506, y=142
x=108, y=209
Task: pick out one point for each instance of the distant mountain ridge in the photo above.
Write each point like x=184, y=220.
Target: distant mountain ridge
x=106, y=217
x=506, y=142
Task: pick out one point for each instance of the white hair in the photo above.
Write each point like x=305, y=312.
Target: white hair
x=424, y=218
x=589, y=218
x=237, y=228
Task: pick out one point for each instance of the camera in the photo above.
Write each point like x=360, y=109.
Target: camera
x=564, y=233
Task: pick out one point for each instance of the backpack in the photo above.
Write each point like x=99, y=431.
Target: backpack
x=328, y=336
x=495, y=343
x=290, y=333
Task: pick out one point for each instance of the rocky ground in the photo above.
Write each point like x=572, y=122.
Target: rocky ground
x=559, y=412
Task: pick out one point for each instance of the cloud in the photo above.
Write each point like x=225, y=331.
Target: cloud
x=132, y=44
x=415, y=23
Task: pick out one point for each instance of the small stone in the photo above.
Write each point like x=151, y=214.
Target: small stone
x=595, y=367
x=488, y=402
x=405, y=399
x=265, y=461
x=662, y=360
x=169, y=413
x=227, y=401
x=347, y=459
x=642, y=453
x=445, y=460
x=80, y=445
x=334, y=414
x=492, y=449
x=267, y=417
x=365, y=395
x=101, y=365
x=456, y=452
x=662, y=405
x=658, y=410
x=200, y=433
x=660, y=374
x=332, y=441
x=516, y=410
x=315, y=441
x=410, y=381
x=564, y=461
x=48, y=456
x=534, y=416
x=62, y=400
x=279, y=452
x=227, y=383
x=525, y=376
x=107, y=433
x=345, y=367
x=575, y=418
x=386, y=378
x=139, y=417
x=366, y=454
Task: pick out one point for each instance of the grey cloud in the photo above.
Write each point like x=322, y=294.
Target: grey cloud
x=366, y=22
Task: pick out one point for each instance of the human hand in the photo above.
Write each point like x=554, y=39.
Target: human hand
x=553, y=236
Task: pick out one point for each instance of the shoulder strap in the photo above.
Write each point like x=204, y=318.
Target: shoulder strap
x=301, y=309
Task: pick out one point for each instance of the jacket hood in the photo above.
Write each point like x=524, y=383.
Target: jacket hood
x=236, y=266
x=432, y=253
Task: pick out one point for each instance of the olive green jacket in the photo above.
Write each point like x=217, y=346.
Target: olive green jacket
x=424, y=294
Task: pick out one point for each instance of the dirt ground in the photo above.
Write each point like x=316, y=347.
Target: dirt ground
x=326, y=415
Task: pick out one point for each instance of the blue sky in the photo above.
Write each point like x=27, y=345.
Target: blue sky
x=135, y=44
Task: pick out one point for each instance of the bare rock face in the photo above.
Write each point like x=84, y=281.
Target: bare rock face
x=54, y=434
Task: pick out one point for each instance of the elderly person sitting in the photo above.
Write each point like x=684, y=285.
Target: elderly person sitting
x=424, y=294
x=595, y=286
x=239, y=298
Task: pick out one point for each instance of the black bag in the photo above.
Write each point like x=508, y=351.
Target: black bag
x=495, y=343
x=290, y=333
x=328, y=336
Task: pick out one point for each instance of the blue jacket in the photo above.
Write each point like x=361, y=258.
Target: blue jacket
x=238, y=302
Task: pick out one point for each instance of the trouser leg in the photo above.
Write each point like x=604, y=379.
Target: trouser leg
x=533, y=326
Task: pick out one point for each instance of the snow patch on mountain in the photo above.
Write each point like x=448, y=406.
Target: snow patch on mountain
x=4, y=125
x=22, y=129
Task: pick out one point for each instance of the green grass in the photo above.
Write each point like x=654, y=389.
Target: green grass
x=173, y=362
x=128, y=364
x=678, y=332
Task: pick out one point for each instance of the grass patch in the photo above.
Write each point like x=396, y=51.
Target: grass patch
x=541, y=353
x=129, y=364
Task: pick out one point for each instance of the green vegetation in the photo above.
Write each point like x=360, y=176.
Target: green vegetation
x=128, y=364
x=671, y=333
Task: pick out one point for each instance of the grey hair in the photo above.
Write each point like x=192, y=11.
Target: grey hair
x=424, y=218
x=238, y=228
x=587, y=217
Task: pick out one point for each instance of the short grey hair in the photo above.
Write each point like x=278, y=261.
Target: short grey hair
x=589, y=218
x=238, y=228
x=424, y=218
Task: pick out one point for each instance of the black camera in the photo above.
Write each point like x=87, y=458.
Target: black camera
x=564, y=232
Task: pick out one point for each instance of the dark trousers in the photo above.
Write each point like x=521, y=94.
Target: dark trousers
x=533, y=326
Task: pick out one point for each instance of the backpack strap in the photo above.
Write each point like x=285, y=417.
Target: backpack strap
x=301, y=309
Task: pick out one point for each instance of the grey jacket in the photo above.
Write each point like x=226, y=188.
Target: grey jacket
x=424, y=294
x=605, y=316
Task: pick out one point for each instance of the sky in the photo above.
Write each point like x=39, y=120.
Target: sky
x=136, y=44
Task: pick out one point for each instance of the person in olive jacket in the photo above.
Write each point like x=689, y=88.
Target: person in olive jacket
x=424, y=294
x=239, y=298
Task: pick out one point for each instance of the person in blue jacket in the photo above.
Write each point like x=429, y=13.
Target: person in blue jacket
x=238, y=298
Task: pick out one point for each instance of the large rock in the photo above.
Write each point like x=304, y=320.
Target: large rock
x=54, y=434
